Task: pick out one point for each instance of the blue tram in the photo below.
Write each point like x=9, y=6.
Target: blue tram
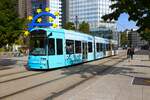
x=54, y=48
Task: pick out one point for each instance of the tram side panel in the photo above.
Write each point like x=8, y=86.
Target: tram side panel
x=72, y=48
x=81, y=47
x=56, y=42
x=69, y=48
x=99, y=48
x=115, y=47
x=90, y=48
x=108, y=50
x=113, y=50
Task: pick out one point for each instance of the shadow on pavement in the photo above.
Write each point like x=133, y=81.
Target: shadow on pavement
x=137, y=66
x=7, y=62
x=141, y=81
x=99, y=70
x=102, y=69
x=125, y=71
x=94, y=70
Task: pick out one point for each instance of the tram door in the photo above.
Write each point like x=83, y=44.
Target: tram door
x=55, y=52
x=84, y=51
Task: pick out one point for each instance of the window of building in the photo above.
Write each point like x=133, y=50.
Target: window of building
x=59, y=46
x=69, y=46
x=77, y=46
x=90, y=46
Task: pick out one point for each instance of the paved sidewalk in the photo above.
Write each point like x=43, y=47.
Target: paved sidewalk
x=118, y=83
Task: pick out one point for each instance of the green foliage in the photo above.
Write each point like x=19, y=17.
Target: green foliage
x=84, y=27
x=138, y=11
x=146, y=35
x=123, y=39
x=2, y=49
x=69, y=26
x=10, y=25
x=19, y=41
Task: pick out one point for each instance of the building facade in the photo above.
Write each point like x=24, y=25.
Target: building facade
x=65, y=11
x=54, y=5
x=24, y=8
x=135, y=40
x=21, y=8
x=91, y=11
x=29, y=8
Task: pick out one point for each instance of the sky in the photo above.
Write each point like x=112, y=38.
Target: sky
x=123, y=23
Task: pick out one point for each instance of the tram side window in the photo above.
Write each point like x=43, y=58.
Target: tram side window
x=59, y=46
x=108, y=47
x=90, y=47
x=69, y=46
x=113, y=47
x=51, y=46
x=101, y=47
x=77, y=46
x=104, y=47
x=97, y=47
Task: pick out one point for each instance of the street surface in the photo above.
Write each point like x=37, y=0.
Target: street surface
x=111, y=78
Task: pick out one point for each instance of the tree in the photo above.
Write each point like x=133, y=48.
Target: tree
x=138, y=11
x=84, y=27
x=123, y=39
x=69, y=26
x=146, y=34
x=10, y=25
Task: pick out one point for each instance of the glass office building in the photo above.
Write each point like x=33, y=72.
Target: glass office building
x=91, y=11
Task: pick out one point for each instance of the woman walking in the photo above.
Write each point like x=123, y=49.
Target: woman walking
x=130, y=53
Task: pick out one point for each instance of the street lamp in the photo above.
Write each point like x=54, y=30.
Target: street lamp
x=76, y=22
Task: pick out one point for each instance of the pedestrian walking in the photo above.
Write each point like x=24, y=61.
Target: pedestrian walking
x=130, y=53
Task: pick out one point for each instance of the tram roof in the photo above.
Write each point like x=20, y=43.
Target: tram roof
x=48, y=29
x=74, y=32
x=61, y=30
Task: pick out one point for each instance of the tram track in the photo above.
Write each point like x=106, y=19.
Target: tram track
x=5, y=68
x=24, y=71
x=81, y=82
x=56, y=79
x=22, y=77
x=13, y=73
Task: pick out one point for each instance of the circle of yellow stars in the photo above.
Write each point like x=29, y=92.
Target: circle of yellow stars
x=39, y=20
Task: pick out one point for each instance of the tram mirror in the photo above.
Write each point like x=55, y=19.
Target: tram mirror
x=50, y=34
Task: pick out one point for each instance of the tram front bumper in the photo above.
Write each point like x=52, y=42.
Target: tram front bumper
x=36, y=66
x=38, y=63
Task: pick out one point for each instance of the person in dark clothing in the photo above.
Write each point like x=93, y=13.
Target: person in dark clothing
x=130, y=53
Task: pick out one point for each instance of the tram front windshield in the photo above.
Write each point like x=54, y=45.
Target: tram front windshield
x=38, y=43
